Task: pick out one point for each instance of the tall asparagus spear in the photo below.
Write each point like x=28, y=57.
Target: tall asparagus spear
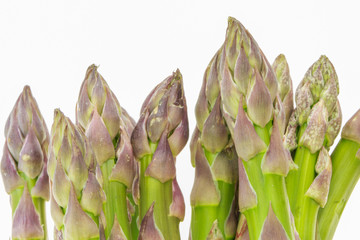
x=108, y=128
x=345, y=174
x=312, y=129
x=255, y=114
x=214, y=158
x=76, y=195
x=23, y=168
x=158, y=137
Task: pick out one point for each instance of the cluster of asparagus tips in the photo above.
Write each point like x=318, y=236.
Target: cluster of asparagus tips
x=158, y=137
x=76, y=195
x=108, y=128
x=313, y=126
x=23, y=168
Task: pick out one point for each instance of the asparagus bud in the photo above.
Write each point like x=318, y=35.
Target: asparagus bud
x=77, y=197
x=314, y=125
x=158, y=137
x=109, y=127
x=23, y=167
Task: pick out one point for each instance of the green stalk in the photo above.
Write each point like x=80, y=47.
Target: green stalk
x=227, y=192
x=276, y=189
x=108, y=205
x=256, y=216
x=152, y=190
x=202, y=219
x=346, y=172
x=269, y=188
x=298, y=182
x=115, y=201
x=15, y=199
x=172, y=221
x=133, y=224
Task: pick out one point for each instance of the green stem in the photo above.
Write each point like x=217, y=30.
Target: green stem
x=120, y=206
x=276, y=189
x=256, y=216
x=227, y=192
x=15, y=199
x=134, y=218
x=115, y=201
x=173, y=221
x=298, y=182
x=152, y=190
x=202, y=219
x=307, y=225
x=345, y=174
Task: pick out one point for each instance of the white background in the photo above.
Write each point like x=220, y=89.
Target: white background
x=49, y=46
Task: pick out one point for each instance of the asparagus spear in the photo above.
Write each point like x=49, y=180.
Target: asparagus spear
x=108, y=128
x=23, y=167
x=313, y=127
x=214, y=158
x=345, y=174
x=76, y=195
x=158, y=137
x=255, y=114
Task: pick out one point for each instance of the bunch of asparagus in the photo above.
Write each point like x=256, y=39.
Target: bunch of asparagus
x=262, y=164
x=257, y=154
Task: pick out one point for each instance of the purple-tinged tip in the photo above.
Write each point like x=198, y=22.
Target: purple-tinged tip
x=162, y=165
x=139, y=139
x=351, y=130
x=92, y=196
x=247, y=143
x=319, y=189
x=204, y=191
x=148, y=229
x=225, y=166
x=272, y=228
x=214, y=136
x=10, y=176
x=313, y=137
x=247, y=196
x=277, y=158
x=124, y=169
x=26, y=220
x=99, y=139
x=259, y=102
x=77, y=224
x=116, y=231
x=177, y=206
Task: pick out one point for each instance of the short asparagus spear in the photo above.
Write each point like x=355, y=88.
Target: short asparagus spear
x=108, y=128
x=345, y=174
x=158, y=137
x=76, y=195
x=255, y=116
x=23, y=168
x=312, y=129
